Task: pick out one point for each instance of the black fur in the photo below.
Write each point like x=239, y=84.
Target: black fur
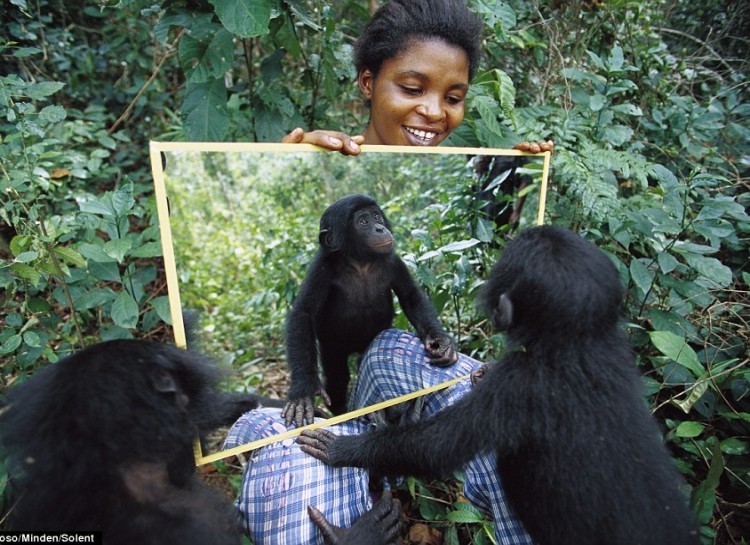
x=579, y=454
x=103, y=440
x=347, y=299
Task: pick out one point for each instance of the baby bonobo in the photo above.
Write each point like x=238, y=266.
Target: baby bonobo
x=578, y=452
x=346, y=300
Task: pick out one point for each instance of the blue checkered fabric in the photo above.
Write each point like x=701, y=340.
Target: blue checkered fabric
x=396, y=364
x=280, y=481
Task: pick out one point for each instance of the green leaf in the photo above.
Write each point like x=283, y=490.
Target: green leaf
x=93, y=205
x=458, y=246
x=122, y=199
x=711, y=269
x=677, y=349
x=117, y=249
x=205, y=61
x=689, y=429
x=734, y=447
x=245, y=18
x=30, y=338
x=27, y=257
x=43, y=89
x=692, y=398
x=52, y=114
x=94, y=298
x=26, y=272
x=95, y=253
x=597, y=102
x=641, y=275
x=150, y=249
x=161, y=305
x=464, y=517
x=125, y=311
x=68, y=254
x=205, y=111
x=11, y=344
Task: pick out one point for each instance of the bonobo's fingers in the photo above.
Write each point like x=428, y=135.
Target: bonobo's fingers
x=381, y=525
x=332, y=535
x=302, y=410
x=297, y=410
x=478, y=375
x=441, y=350
x=330, y=140
x=317, y=443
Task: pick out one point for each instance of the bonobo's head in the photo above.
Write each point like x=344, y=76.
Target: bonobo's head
x=356, y=226
x=551, y=280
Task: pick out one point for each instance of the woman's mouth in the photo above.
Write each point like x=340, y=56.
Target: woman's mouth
x=418, y=137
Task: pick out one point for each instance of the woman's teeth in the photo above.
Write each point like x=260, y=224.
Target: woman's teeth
x=424, y=135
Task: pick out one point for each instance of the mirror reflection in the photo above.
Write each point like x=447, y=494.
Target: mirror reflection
x=244, y=227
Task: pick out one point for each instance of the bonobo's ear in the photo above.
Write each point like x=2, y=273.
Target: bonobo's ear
x=502, y=317
x=325, y=236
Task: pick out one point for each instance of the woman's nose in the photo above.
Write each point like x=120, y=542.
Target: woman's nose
x=431, y=108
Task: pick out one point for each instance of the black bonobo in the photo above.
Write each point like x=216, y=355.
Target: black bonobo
x=578, y=452
x=346, y=300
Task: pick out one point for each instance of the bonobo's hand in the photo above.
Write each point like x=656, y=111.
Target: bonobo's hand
x=535, y=147
x=321, y=444
x=478, y=375
x=381, y=525
x=301, y=410
x=441, y=350
x=330, y=140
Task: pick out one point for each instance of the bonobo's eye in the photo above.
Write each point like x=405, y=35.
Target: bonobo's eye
x=377, y=218
x=363, y=220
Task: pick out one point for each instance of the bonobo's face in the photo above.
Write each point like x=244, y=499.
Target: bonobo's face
x=369, y=223
x=418, y=96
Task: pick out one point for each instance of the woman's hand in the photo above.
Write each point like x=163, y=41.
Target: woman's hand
x=535, y=147
x=330, y=140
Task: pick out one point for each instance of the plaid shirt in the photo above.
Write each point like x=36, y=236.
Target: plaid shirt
x=280, y=481
x=396, y=364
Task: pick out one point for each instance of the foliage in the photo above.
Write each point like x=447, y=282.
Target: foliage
x=647, y=103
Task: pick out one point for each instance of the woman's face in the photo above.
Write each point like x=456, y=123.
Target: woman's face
x=418, y=97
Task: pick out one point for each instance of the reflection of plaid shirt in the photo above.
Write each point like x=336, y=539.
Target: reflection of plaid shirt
x=280, y=481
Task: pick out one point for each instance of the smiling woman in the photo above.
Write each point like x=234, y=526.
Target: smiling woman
x=418, y=97
x=414, y=61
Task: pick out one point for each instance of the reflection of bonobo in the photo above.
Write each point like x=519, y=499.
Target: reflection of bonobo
x=346, y=299
x=103, y=440
x=578, y=452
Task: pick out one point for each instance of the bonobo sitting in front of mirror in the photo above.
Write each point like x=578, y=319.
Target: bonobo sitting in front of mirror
x=578, y=452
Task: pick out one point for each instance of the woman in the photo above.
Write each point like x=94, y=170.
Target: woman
x=414, y=61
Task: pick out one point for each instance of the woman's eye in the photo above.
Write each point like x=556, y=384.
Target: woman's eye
x=412, y=90
x=454, y=100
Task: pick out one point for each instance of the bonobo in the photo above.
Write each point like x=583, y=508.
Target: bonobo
x=103, y=441
x=345, y=300
x=578, y=452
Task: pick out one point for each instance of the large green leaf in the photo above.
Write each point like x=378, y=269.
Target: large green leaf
x=245, y=18
x=205, y=111
x=125, y=311
x=677, y=349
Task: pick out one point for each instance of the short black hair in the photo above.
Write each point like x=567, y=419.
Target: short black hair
x=398, y=22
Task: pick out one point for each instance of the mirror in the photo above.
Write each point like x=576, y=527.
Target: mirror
x=239, y=223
